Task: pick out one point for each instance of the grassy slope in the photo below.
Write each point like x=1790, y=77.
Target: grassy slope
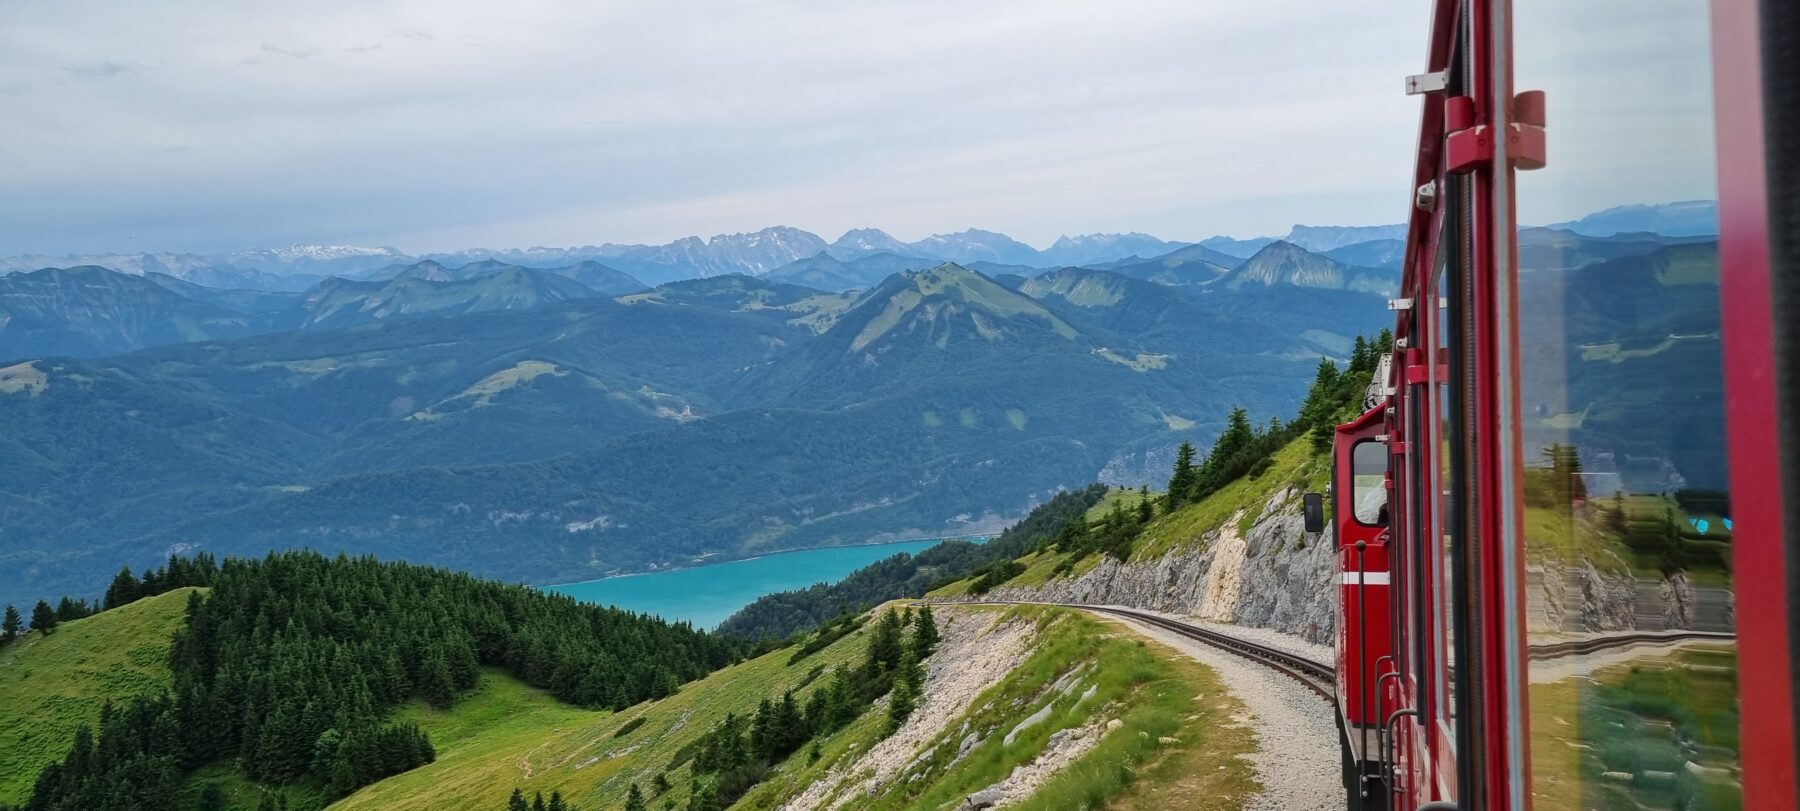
x=1155, y=693
x=1294, y=465
x=52, y=685
x=1185, y=528
x=1128, y=497
x=508, y=735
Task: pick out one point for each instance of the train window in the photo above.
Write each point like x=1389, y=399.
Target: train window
x=1627, y=531
x=1443, y=330
x=1368, y=483
x=1415, y=546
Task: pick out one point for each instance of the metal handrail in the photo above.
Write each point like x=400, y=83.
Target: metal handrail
x=1387, y=756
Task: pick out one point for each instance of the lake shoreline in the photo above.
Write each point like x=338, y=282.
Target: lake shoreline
x=709, y=593
x=985, y=536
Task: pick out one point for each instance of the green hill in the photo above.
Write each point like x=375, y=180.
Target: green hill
x=506, y=736
x=50, y=686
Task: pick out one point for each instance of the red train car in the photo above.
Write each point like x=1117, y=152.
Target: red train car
x=1566, y=522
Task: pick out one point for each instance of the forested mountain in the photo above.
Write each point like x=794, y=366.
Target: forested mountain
x=827, y=272
x=1283, y=263
x=1376, y=253
x=590, y=274
x=236, y=299
x=202, y=270
x=590, y=435
x=286, y=669
x=1622, y=362
x=1191, y=265
x=94, y=311
x=784, y=614
x=339, y=303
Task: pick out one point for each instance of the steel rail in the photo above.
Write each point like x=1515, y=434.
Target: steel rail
x=1316, y=676
x=1595, y=644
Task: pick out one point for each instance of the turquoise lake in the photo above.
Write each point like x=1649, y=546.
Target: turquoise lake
x=706, y=595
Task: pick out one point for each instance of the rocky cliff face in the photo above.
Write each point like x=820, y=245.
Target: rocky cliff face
x=1585, y=598
x=1276, y=576
x=1272, y=576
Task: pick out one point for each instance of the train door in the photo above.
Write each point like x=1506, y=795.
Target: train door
x=1361, y=493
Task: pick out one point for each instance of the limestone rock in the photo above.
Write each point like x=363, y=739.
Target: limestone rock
x=985, y=798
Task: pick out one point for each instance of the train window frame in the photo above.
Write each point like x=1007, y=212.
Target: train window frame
x=1354, y=489
x=1419, y=612
x=1440, y=437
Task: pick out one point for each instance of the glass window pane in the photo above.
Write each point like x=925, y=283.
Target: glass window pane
x=1627, y=518
x=1368, y=463
x=1443, y=331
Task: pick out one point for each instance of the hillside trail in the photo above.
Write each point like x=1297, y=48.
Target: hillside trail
x=1296, y=759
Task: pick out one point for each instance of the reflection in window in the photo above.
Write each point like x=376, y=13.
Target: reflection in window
x=1626, y=504
x=1444, y=329
x=1368, y=471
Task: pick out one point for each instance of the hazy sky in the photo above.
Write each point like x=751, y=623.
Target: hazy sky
x=201, y=126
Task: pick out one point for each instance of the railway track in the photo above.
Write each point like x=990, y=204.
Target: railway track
x=1321, y=679
x=1578, y=647
x=1315, y=676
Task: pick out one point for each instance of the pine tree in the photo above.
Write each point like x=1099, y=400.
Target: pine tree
x=436, y=681
x=517, y=801
x=1321, y=402
x=925, y=633
x=124, y=589
x=68, y=610
x=660, y=785
x=43, y=618
x=1360, y=359
x=634, y=799
x=901, y=703
x=537, y=802
x=10, y=627
x=1182, y=481
x=908, y=680
x=1238, y=435
x=1613, y=518
x=884, y=646
x=556, y=802
x=1321, y=435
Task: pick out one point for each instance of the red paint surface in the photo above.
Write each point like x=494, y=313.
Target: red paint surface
x=1765, y=665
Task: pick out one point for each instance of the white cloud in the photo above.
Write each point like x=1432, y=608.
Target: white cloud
x=191, y=125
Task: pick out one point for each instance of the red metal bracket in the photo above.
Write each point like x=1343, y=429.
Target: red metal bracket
x=1469, y=146
x=1525, y=144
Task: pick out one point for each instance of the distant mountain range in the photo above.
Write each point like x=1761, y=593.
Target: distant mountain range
x=514, y=421
x=567, y=419
x=1692, y=218
x=296, y=268
x=91, y=311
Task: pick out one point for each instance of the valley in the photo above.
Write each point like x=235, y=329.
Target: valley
x=705, y=595
x=1015, y=706
x=563, y=423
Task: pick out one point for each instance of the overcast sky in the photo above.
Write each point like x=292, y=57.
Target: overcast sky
x=202, y=126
